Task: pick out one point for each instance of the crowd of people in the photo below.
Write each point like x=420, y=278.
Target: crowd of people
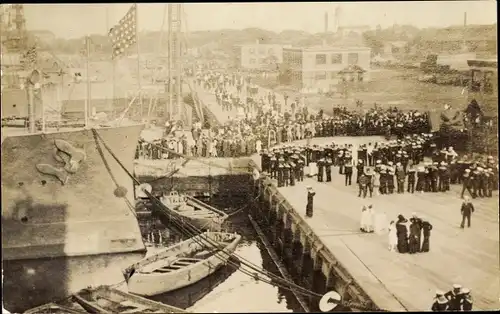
x=412, y=163
x=265, y=121
x=384, y=168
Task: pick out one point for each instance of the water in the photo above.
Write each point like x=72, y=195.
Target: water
x=230, y=290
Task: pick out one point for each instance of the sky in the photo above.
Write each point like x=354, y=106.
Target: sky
x=77, y=20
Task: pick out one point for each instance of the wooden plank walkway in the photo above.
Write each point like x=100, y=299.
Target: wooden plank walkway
x=466, y=256
x=208, y=100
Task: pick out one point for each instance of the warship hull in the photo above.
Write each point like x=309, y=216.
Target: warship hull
x=65, y=224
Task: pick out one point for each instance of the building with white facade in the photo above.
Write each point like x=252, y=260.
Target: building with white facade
x=322, y=68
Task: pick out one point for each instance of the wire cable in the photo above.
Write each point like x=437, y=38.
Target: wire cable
x=194, y=232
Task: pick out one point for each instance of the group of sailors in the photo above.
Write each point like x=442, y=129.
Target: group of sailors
x=458, y=299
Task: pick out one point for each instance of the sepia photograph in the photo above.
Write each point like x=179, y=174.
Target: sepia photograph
x=250, y=157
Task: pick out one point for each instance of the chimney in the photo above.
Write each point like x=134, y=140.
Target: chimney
x=326, y=22
x=465, y=19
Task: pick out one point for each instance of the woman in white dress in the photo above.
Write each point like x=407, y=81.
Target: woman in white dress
x=370, y=219
x=393, y=238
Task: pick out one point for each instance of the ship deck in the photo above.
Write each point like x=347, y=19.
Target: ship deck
x=402, y=281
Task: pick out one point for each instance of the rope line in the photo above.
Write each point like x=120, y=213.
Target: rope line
x=192, y=231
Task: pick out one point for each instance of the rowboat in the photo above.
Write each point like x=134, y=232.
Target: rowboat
x=105, y=299
x=182, y=264
x=54, y=308
x=200, y=215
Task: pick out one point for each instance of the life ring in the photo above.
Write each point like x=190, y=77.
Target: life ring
x=255, y=174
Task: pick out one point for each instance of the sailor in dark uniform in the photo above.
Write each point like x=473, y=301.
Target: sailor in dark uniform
x=348, y=170
x=264, y=160
x=286, y=174
x=300, y=164
x=321, y=169
x=440, y=302
x=491, y=182
x=434, y=175
x=310, y=201
x=340, y=158
x=454, y=298
x=273, y=166
x=390, y=179
x=441, y=176
x=466, y=183
x=328, y=169
x=411, y=179
x=280, y=172
x=466, y=302
x=359, y=170
x=293, y=173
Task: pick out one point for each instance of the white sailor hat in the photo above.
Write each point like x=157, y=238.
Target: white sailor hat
x=360, y=160
x=457, y=286
x=378, y=161
x=467, y=170
x=490, y=157
x=465, y=290
x=398, y=164
x=308, y=187
x=414, y=214
x=439, y=292
x=390, y=163
x=479, y=169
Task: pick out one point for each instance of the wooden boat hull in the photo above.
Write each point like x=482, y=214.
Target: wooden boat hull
x=54, y=308
x=33, y=282
x=150, y=284
x=59, y=238
x=203, y=216
x=104, y=299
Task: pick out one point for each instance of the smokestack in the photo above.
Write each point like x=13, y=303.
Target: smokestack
x=465, y=19
x=326, y=22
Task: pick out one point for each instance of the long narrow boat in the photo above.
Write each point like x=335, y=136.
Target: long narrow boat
x=199, y=214
x=182, y=264
x=105, y=299
x=54, y=308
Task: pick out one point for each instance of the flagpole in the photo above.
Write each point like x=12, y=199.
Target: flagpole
x=138, y=56
x=113, y=66
x=87, y=101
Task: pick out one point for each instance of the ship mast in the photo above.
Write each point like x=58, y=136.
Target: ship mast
x=174, y=61
x=89, y=85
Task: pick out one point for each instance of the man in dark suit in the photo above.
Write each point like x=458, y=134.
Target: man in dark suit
x=466, y=210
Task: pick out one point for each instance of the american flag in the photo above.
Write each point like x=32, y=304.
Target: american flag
x=123, y=35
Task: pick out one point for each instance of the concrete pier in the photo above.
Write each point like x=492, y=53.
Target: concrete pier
x=327, y=252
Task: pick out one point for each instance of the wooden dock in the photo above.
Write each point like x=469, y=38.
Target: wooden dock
x=467, y=256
